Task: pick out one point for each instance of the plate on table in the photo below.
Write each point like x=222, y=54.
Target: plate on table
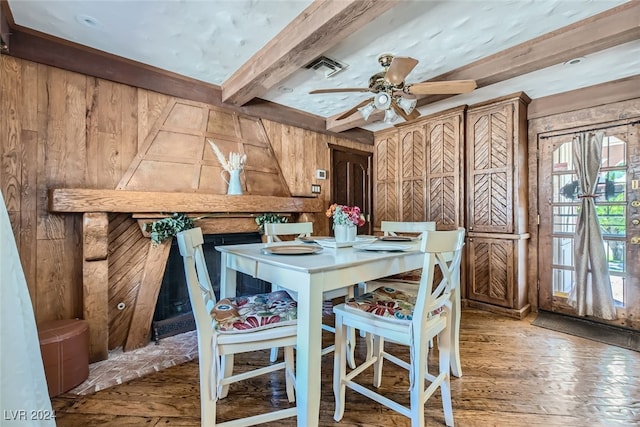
x=311, y=239
x=397, y=238
x=291, y=250
x=330, y=242
x=382, y=247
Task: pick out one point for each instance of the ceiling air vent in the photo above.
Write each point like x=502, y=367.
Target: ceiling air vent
x=329, y=66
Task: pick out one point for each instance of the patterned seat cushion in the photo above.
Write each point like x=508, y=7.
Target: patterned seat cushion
x=389, y=303
x=386, y=302
x=254, y=312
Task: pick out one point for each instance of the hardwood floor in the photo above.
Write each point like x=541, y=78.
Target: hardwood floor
x=514, y=374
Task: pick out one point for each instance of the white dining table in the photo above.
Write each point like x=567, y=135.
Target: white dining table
x=309, y=276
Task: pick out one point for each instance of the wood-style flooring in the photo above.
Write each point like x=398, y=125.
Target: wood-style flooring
x=514, y=374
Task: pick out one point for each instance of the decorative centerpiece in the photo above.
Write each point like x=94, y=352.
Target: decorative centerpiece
x=233, y=166
x=346, y=219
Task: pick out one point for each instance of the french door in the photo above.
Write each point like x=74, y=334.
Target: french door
x=618, y=209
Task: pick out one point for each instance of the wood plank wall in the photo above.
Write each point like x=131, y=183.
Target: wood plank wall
x=62, y=129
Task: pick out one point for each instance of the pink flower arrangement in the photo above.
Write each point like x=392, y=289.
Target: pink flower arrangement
x=345, y=215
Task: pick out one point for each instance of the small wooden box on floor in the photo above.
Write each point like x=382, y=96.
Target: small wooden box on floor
x=64, y=345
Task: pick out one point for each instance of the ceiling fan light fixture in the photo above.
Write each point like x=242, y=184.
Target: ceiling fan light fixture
x=382, y=101
x=407, y=104
x=367, y=110
x=390, y=116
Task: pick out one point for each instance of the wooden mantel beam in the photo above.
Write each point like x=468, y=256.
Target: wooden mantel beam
x=77, y=200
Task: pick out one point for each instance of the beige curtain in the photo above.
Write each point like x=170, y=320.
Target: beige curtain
x=591, y=293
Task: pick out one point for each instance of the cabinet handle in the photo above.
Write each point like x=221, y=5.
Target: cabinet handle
x=636, y=203
x=635, y=240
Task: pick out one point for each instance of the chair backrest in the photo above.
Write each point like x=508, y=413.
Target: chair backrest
x=201, y=292
x=442, y=249
x=391, y=228
x=299, y=229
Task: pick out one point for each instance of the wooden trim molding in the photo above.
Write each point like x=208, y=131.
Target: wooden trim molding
x=593, y=96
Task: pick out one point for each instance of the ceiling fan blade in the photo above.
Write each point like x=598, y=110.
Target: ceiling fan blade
x=354, y=109
x=441, y=88
x=400, y=67
x=341, y=89
x=400, y=111
x=414, y=114
x=407, y=117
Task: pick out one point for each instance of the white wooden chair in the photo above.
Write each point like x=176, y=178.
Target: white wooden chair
x=221, y=334
x=395, y=229
x=392, y=228
x=406, y=319
x=273, y=231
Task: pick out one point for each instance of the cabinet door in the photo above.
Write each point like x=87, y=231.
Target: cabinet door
x=412, y=174
x=385, y=192
x=491, y=271
x=490, y=134
x=444, y=178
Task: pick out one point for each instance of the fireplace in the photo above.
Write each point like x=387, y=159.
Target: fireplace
x=173, y=314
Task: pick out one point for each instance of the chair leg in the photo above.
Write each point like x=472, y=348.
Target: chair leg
x=444, y=351
x=378, y=348
x=289, y=372
x=351, y=347
x=227, y=371
x=339, y=369
x=456, y=367
x=274, y=354
x=207, y=403
x=417, y=390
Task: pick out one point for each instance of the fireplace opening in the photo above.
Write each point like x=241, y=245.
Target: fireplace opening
x=173, y=314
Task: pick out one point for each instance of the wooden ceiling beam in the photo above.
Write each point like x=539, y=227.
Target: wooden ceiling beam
x=602, y=31
x=318, y=28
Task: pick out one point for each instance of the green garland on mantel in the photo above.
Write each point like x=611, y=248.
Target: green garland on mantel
x=269, y=218
x=165, y=228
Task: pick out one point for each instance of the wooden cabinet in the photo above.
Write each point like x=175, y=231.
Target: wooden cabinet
x=465, y=167
x=496, y=159
x=418, y=171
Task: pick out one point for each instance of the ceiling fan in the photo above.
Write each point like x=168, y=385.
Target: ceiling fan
x=393, y=95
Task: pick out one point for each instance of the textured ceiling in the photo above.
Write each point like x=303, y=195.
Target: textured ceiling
x=210, y=40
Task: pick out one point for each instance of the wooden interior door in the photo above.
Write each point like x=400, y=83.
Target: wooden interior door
x=351, y=181
x=618, y=208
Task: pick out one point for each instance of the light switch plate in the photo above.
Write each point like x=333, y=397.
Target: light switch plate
x=321, y=174
x=315, y=188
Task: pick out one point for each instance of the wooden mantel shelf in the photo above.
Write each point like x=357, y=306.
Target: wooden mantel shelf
x=77, y=200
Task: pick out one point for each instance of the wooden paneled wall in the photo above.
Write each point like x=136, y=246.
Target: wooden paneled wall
x=60, y=129
x=299, y=161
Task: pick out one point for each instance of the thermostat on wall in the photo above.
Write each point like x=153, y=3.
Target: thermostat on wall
x=321, y=174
